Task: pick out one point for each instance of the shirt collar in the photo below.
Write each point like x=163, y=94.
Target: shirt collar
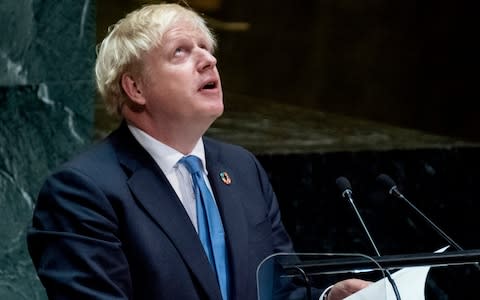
x=165, y=156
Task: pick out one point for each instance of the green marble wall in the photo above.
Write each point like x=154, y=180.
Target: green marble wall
x=47, y=51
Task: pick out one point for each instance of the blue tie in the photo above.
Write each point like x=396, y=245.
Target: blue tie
x=210, y=227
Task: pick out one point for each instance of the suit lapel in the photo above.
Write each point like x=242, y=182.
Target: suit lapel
x=157, y=197
x=233, y=218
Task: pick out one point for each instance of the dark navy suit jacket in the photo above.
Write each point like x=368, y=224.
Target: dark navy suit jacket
x=108, y=225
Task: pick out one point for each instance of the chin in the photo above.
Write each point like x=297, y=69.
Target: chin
x=216, y=108
x=219, y=112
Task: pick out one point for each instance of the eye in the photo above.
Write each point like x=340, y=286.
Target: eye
x=206, y=47
x=178, y=51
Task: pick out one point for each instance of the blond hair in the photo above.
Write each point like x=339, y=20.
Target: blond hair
x=131, y=37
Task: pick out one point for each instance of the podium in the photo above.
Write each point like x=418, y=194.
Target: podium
x=446, y=275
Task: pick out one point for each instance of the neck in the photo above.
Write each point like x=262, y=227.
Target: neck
x=182, y=138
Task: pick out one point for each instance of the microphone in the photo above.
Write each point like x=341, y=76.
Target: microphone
x=345, y=187
x=391, y=188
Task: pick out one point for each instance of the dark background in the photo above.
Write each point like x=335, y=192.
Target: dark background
x=407, y=63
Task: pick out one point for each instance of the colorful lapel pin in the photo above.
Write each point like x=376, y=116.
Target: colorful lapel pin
x=225, y=178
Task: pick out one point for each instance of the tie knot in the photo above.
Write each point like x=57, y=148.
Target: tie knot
x=192, y=163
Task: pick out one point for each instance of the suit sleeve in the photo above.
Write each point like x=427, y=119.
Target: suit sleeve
x=73, y=241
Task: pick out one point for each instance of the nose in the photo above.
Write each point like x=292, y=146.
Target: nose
x=206, y=60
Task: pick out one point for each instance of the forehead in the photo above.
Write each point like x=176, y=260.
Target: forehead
x=184, y=30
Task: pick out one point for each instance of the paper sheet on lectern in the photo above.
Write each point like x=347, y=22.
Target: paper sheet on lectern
x=410, y=283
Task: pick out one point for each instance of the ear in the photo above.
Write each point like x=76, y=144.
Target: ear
x=132, y=86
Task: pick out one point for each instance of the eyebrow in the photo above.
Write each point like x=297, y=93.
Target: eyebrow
x=195, y=34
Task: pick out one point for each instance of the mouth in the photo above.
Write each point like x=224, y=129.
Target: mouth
x=209, y=85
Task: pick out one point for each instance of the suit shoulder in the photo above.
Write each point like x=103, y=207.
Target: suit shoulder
x=226, y=148
x=96, y=156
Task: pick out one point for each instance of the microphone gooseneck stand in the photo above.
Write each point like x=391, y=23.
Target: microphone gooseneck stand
x=346, y=189
x=391, y=188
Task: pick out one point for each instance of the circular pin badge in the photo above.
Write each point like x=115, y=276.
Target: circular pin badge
x=225, y=178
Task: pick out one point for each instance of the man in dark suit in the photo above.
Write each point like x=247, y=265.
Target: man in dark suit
x=120, y=221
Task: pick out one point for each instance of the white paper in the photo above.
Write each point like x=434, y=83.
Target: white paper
x=410, y=283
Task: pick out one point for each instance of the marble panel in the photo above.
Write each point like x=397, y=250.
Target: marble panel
x=40, y=128
x=46, y=115
x=46, y=41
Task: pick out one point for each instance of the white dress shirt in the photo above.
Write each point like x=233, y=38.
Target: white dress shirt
x=167, y=159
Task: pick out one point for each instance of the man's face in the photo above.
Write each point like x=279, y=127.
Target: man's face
x=181, y=80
